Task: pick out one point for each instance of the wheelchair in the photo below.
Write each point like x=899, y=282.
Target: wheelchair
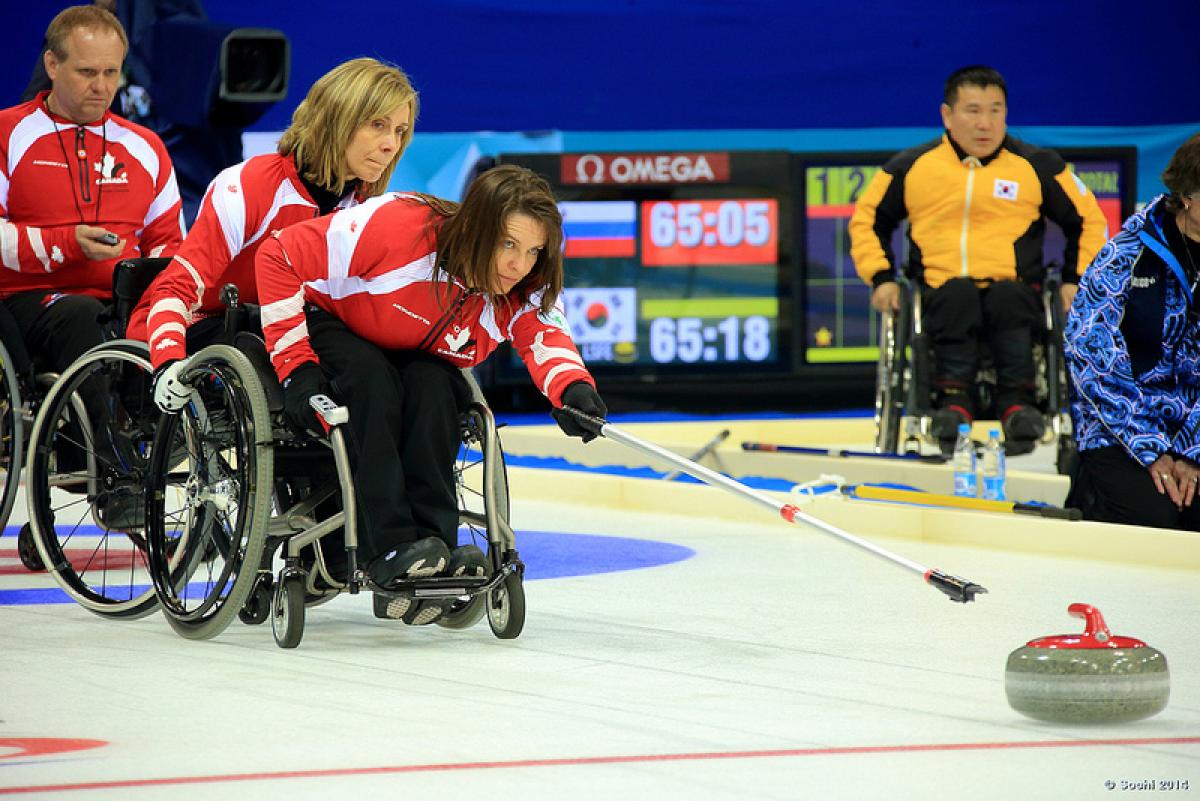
x=233, y=491
x=21, y=389
x=84, y=475
x=904, y=391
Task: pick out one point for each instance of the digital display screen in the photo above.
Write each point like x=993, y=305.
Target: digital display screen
x=676, y=264
x=671, y=282
x=690, y=232
x=840, y=325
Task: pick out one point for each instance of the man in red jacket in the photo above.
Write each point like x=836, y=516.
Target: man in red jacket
x=80, y=189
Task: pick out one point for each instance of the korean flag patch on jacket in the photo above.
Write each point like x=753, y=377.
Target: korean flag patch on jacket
x=1005, y=190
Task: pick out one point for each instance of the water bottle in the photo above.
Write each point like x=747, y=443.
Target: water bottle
x=964, y=463
x=993, y=467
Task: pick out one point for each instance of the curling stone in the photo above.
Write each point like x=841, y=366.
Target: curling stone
x=1093, y=677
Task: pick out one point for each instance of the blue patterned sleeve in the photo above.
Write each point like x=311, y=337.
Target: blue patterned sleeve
x=1098, y=357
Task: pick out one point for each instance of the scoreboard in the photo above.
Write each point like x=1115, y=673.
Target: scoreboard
x=676, y=263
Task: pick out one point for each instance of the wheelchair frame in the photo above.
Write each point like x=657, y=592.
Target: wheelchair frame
x=18, y=405
x=215, y=562
x=101, y=568
x=904, y=385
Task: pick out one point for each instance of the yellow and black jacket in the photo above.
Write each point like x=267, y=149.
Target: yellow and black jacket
x=972, y=217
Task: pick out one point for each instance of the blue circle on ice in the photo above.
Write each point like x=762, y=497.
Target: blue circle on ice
x=556, y=554
x=546, y=554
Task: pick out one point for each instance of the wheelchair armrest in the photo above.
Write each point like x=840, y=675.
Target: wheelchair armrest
x=131, y=279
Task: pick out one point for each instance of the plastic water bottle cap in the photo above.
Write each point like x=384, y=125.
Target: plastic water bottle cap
x=994, y=433
x=964, y=428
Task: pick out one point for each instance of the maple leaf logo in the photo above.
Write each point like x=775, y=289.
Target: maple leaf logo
x=108, y=168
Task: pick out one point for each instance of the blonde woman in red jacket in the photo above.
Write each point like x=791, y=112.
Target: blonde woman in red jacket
x=341, y=148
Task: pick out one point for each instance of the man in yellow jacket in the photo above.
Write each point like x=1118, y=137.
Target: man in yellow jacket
x=976, y=200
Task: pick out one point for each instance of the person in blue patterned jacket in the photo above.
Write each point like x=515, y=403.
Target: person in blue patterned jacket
x=1133, y=349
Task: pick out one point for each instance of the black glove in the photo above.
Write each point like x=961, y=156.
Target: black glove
x=305, y=381
x=582, y=396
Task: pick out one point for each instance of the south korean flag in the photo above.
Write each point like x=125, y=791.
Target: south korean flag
x=602, y=316
x=1005, y=190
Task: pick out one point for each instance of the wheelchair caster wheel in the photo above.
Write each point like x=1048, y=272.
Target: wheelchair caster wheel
x=464, y=614
x=287, y=611
x=27, y=550
x=258, y=606
x=506, y=607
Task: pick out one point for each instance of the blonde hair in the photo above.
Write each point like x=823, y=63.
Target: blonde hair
x=468, y=238
x=343, y=99
x=87, y=17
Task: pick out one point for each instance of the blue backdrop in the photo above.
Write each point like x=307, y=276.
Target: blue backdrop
x=812, y=74
x=605, y=65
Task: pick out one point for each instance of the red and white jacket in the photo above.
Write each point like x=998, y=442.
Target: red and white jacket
x=372, y=266
x=242, y=206
x=55, y=175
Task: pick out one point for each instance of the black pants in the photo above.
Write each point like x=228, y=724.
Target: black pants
x=404, y=434
x=56, y=331
x=1113, y=487
x=960, y=313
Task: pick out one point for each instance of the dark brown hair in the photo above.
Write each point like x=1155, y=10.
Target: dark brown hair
x=469, y=237
x=1182, y=175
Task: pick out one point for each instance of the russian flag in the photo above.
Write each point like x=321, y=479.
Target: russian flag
x=605, y=229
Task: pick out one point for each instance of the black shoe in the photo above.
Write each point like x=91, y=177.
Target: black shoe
x=1022, y=424
x=1019, y=447
x=121, y=511
x=945, y=426
x=411, y=611
x=468, y=561
x=420, y=559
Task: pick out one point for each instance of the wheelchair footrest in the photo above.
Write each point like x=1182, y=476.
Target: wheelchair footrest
x=439, y=587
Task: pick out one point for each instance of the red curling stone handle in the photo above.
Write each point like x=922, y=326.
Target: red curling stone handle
x=1095, y=627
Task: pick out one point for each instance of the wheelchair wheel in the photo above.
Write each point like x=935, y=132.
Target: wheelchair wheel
x=889, y=382
x=287, y=611
x=258, y=605
x=12, y=432
x=86, y=479
x=27, y=551
x=209, y=495
x=506, y=607
x=481, y=480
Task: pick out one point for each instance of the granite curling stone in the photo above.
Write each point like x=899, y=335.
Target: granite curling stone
x=1094, y=677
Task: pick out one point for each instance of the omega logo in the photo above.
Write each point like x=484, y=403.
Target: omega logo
x=644, y=168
